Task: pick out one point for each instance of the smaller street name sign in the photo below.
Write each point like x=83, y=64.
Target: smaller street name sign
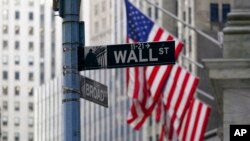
x=94, y=91
x=126, y=55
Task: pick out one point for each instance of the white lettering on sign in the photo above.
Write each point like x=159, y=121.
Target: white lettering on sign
x=121, y=56
x=94, y=92
x=140, y=57
x=163, y=50
x=151, y=56
x=140, y=46
x=132, y=56
x=239, y=132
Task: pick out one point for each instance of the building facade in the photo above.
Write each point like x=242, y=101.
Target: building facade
x=48, y=111
x=106, y=24
x=29, y=54
x=210, y=17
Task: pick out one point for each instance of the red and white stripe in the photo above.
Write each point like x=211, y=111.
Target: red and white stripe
x=179, y=91
x=157, y=75
x=143, y=103
x=137, y=115
x=159, y=34
x=177, y=95
x=195, y=121
x=160, y=118
x=136, y=82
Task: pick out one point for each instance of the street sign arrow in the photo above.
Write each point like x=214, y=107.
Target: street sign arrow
x=94, y=91
x=126, y=55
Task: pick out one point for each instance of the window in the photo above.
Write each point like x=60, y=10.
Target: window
x=5, y=60
x=31, y=137
x=31, y=16
x=214, y=12
x=17, y=15
x=150, y=138
x=31, y=107
x=41, y=49
x=5, y=29
x=17, y=121
x=5, y=14
x=150, y=121
x=31, y=46
x=149, y=11
x=31, y=30
x=17, y=90
x=156, y=12
x=17, y=2
x=17, y=60
x=103, y=6
x=5, y=2
x=5, y=75
x=17, y=136
x=190, y=43
x=5, y=45
x=141, y=4
x=17, y=45
x=189, y=15
x=226, y=8
x=184, y=15
x=157, y=137
x=17, y=30
x=30, y=91
x=5, y=136
x=5, y=105
x=104, y=22
x=5, y=90
x=17, y=106
x=30, y=122
x=31, y=2
x=31, y=61
x=5, y=121
x=17, y=75
x=96, y=26
x=41, y=78
x=31, y=77
x=96, y=9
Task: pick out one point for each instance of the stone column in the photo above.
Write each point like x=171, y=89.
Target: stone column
x=230, y=75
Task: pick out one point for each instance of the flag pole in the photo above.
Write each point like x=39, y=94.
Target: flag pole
x=211, y=133
x=205, y=94
x=192, y=61
x=186, y=24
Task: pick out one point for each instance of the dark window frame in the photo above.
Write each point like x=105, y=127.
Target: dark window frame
x=226, y=8
x=214, y=12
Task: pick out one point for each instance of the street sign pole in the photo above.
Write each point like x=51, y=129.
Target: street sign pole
x=69, y=11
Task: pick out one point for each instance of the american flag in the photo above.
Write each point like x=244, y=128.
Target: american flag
x=145, y=83
x=169, y=89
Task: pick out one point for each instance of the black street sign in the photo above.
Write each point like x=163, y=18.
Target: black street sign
x=94, y=91
x=126, y=55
